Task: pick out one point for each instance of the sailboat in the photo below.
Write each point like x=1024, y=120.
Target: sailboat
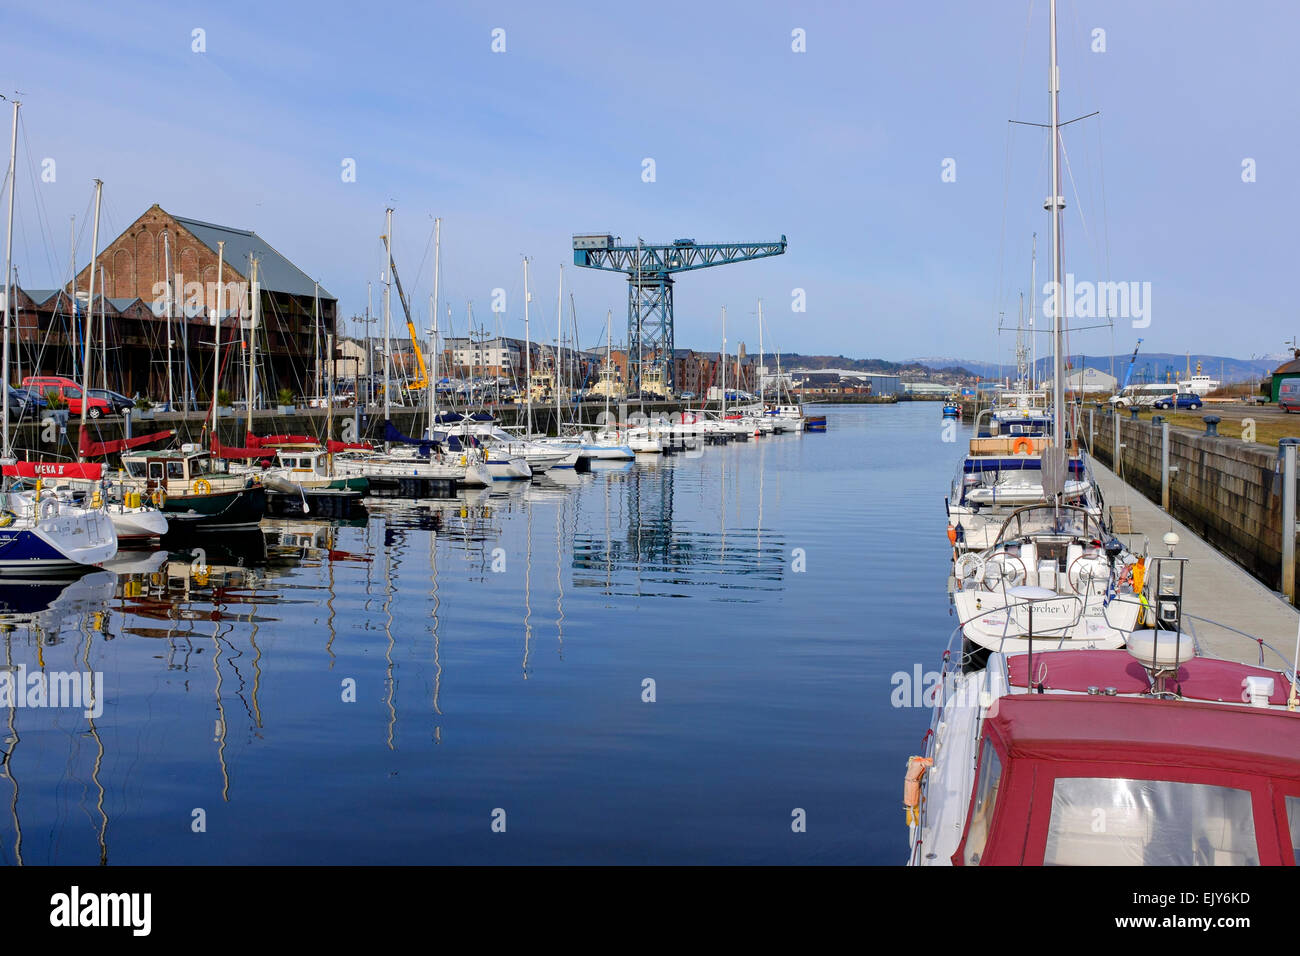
x=39, y=533
x=406, y=463
x=1182, y=758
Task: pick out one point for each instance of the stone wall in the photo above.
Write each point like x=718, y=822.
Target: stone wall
x=1226, y=490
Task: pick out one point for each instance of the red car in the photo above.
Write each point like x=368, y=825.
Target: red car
x=70, y=393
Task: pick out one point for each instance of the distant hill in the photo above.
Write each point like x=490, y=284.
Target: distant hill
x=908, y=370
x=1150, y=366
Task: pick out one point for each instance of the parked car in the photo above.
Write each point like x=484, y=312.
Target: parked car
x=1180, y=400
x=23, y=402
x=70, y=392
x=118, y=402
x=1288, y=394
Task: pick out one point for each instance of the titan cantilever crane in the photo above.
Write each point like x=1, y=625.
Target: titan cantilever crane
x=423, y=380
x=649, y=269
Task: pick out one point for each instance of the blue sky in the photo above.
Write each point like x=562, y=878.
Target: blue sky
x=839, y=148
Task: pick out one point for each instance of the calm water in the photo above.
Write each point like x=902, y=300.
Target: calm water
x=498, y=646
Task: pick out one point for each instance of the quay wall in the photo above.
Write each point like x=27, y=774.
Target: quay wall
x=1226, y=490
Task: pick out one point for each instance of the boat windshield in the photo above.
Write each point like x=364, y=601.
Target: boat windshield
x=1149, y=823
x=1050, y=519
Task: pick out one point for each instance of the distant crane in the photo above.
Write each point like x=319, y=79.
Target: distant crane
x=1132, y=363
x=650, y=270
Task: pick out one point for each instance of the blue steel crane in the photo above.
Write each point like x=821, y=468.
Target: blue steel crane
x=649, y=269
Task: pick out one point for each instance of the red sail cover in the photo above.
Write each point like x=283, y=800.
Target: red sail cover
x=335, y=446
x=232, y=451
x=93, y=449
x=259, y=441
x=90, y=471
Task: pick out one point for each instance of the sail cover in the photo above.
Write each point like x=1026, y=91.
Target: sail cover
x=233, y=451
x=90, y=471
x=88, y=448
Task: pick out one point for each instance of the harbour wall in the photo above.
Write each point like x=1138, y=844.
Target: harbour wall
x=1226, y=490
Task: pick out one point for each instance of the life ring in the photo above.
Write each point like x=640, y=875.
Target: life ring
x=968, y=565
x=202, y=486
x=1027, y=444
x=7, y=518
x=159, y=497
x=49, y=507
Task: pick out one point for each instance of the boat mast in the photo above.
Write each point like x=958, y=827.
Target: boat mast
x=90, y=313
x=1033, y=297
x=724, y=363
x=315, y=334
x=216, y=354
x=760, y=352
x=388, y=314
x=609, y=358
x=9, y=292
x=528, y=355
x=167, y=264
x=103, y=332
x=1057, y=202
x=432, y=379
x=559, y=340
x=255, y=294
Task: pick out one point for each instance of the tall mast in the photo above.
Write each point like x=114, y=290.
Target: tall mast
x=315, y=333
x=103, y=331
x=388, y=312
x=528, y=354
x=1033, y=297
x=167, y=265
x=609, y=359
x=255, y=294
x=724, y=363
x=559, y=340
x=216, y=354
x=1057, y=201
x=90, y=310
x=9, y=292
x=760, y=351
x=432, y=382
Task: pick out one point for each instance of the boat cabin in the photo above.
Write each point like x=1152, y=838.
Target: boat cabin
x=172, y=465
x=1086, y=768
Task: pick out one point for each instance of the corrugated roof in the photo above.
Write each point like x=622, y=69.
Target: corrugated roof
x=41, y=296
x=1290, y=368
x=275, y=273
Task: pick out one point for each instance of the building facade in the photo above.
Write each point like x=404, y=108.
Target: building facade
x=145, y=323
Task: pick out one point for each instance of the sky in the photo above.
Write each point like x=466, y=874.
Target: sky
x=882, y=151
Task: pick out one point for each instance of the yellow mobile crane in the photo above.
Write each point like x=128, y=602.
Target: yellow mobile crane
x=423, y=381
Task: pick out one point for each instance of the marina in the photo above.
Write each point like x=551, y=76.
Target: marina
x=577, y=438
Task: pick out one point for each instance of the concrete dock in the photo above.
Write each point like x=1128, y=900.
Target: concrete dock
x=1215, y=588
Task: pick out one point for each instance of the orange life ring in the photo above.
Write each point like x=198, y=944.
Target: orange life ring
x=1022, y=443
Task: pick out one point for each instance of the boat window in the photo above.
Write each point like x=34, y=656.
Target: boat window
x=133, y=468
x=1293, y=823
x=1101, y=821
x=175, y=469
x=156, y=470
x=986, y=795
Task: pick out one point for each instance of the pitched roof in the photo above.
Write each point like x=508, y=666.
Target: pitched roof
x=275, y=273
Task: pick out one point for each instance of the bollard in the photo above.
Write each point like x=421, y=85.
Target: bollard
x=1288, y=446
x=1212, y=425
x=1164, y=465
x=1157, y=419
x=1114, y=461
x=1133, y=414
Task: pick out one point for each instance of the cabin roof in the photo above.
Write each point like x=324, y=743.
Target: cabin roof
x=1091, y=732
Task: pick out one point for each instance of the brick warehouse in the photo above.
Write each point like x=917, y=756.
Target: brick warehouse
x=133, y=297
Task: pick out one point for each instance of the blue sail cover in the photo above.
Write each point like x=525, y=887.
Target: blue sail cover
x=393, y=436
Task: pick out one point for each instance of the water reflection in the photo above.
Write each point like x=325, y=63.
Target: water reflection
x=228, y=663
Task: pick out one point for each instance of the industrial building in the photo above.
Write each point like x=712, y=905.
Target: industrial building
x=132, y=296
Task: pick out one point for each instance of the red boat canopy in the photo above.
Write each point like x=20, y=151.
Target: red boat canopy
x=89, y=471
x=1201, y=678
x=87, y=448
x=233, y=451
x=336, y=446
x=262, y=441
